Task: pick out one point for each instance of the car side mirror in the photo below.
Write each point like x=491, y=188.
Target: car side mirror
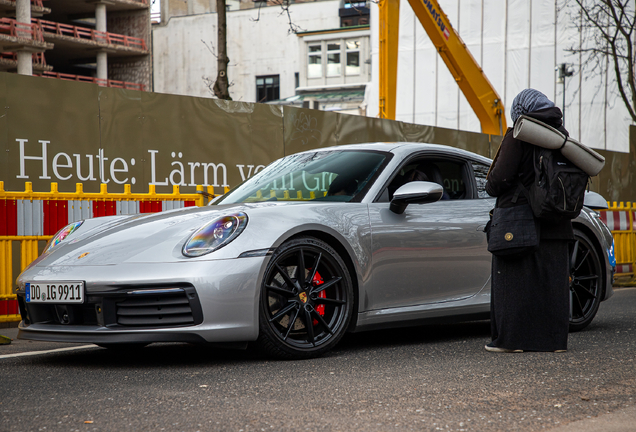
x=416, y=192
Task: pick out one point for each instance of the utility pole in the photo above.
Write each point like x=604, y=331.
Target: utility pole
x=565, y=70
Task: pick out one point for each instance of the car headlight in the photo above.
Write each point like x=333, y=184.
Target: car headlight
x=215, y=235
x=62, y=234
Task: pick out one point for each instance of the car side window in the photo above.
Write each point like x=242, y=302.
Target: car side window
x=452, y=179
x=449, y=174
x=481, y=172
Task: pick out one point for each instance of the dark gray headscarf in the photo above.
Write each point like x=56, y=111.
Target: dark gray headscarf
x=529, y=100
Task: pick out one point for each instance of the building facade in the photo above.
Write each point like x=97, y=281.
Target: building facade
x=519, y=44
x=325, y=64
x=106, y=42
x=332, y=61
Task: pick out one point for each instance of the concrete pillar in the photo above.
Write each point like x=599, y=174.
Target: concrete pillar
x=100, y=25
x=23, y=15
x=23, y=11
x=102, y=65
x=25, y=63
x=100, y=17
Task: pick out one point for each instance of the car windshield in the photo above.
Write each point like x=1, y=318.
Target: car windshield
x=337, y=175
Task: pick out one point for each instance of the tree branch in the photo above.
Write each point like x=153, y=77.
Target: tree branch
x=607, y=29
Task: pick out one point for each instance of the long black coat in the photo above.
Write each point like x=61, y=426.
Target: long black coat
x=530, y=299
x=513, y=164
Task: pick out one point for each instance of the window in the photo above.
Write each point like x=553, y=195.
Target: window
x=353, y=57
x=481, y=171
x=333, y=59
x=314, y=62
x=324, y=176
x=336, y=58
x=452, y=175
x=448, y=174
x=348, y=4
x=267, y=88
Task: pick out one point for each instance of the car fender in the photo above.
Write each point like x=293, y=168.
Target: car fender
x=592, y=225
x=349, y=227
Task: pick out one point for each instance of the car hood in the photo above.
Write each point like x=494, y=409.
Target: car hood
x=160, y=237
x=157, y=237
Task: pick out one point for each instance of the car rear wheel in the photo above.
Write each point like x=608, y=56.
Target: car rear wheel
x=306, y=300
x=586, y=282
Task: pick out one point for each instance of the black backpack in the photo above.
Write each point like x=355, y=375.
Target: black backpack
x=559, y=186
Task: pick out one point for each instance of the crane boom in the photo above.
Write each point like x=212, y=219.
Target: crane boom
x=389, y=34
x=470, y=77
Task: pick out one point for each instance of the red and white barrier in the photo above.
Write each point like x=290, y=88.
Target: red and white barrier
x=46, y=217
x=616, y=220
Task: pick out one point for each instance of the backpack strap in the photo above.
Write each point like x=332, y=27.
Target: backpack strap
x=520, y=189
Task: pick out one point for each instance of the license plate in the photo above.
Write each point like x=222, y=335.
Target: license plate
x=55, y=292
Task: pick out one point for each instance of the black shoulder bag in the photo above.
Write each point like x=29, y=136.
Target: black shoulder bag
x=512, y=232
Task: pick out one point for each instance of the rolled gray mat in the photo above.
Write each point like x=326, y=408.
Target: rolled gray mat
x=538, y=133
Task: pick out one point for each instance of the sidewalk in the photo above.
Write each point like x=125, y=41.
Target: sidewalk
x=618, y=421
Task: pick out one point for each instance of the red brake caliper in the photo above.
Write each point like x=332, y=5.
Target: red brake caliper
x=317, y=281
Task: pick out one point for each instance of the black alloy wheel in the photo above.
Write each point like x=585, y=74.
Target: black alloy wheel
x=586, y=282
x=306, y=300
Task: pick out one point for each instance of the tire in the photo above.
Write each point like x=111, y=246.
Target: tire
x=303, y=316
x=586, y=282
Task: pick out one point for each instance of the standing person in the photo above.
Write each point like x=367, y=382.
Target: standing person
x=530, y=302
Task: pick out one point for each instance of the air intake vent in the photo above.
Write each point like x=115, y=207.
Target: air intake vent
x=155, y=309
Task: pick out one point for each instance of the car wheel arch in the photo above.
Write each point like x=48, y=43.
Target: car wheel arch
x=340, y=248
x=289, y=301
x=597, y=246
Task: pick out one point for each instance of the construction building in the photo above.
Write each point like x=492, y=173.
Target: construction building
x=518, y=44
x=318, y=56
x=104, y=42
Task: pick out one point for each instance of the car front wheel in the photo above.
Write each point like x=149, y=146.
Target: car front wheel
x=306, y=300
x=586, y=282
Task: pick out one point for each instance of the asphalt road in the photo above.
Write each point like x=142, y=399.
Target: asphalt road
x=425, y=378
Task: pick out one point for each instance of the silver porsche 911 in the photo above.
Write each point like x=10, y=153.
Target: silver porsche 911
x=319, y=243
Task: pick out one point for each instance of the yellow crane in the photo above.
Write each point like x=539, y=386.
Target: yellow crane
x=470, y=78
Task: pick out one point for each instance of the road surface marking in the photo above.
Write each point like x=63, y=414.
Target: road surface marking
x=30, y=353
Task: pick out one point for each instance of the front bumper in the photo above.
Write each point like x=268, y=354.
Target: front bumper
x=203, y=301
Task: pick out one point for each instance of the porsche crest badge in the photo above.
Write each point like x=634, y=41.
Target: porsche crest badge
x=83, y=255
x=303, y=297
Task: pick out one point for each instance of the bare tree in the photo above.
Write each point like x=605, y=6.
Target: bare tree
x=221, y=85
x=607, y=26
x=284, y=6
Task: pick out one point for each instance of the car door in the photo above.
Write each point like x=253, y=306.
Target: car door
x=434, y=252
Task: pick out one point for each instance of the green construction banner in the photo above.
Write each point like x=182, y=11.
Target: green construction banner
x=70, y=132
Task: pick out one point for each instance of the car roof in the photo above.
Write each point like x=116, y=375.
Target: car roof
x=405, y=148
